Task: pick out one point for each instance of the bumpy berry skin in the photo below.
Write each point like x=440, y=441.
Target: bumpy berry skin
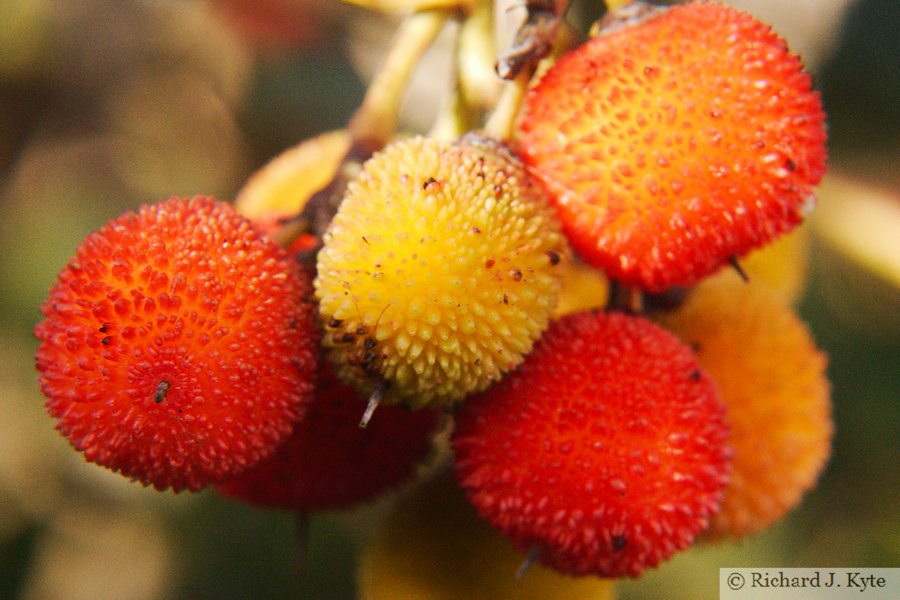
x=674, y=144
x=330, y=462
x=179, y=345
x=773, y=380
x=439, y=270
x=606, y=450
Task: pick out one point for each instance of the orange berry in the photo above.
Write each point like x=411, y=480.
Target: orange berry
x=283, y=186
x=606, y=450
x=773, y=380
x=179, y=345
x=674, y=144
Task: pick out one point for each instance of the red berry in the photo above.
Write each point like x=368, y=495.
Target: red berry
x=330, y=461
x=179, y=345
x=606, y=451
x=672, y=145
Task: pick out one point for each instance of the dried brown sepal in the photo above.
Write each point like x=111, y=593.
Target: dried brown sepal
x=534, y=38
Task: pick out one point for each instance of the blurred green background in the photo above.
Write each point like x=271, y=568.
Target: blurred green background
x=105, y=105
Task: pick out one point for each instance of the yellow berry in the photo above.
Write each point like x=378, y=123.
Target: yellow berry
x=434, y=546
x=439, y=271
x=772, y=379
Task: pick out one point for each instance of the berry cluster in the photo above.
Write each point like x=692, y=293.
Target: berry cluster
x=463, y=274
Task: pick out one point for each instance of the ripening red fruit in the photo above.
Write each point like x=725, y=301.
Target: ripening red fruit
x=675, y=144
x=605, y=452
x=331, y=462
x=179, y=345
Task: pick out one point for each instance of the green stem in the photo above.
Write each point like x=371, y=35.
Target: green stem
x=502, y=120
x=376, y=119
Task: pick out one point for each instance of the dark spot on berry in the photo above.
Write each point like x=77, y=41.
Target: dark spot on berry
x=694, y=376
x=106, y=341
x=332, y=322
x=428, y=182
x=161, y=390
x=360, y=330
x=791, y=165
x=369, y=343
x=475, y=230
x=554, y=257
x=516, y=274
x=347, y=338
x=619, y=542
x=369, y=367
